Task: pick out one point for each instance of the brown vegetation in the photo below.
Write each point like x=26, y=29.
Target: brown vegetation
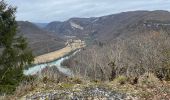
x=131, y=57
x=77, y=44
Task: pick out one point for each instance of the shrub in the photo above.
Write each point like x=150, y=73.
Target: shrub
x=133, y=80
x=149, y=79
x=121, y=79
x=163, y=72
x=77, y=80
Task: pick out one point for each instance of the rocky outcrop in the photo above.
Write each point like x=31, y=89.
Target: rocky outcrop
x=88, y=93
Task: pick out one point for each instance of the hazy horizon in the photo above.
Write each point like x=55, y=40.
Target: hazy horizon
x=40, y=11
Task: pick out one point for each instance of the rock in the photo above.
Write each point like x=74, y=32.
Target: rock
x=89, y=93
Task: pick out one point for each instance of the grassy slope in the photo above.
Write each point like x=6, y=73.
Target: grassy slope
x=147, y=88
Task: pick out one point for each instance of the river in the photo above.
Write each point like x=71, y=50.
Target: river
x=39, y=67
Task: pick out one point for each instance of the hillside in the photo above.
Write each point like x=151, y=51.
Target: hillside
x=109, y=27
x=127, y=56
x=127, y=39
x=39, y=40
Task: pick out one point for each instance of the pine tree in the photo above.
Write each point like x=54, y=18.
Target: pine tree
x=14, y=54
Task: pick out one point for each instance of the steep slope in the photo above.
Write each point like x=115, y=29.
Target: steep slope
x=132, y=58
x=39, y=40
x=74, y=26
x=129, y=43
x=111, y=26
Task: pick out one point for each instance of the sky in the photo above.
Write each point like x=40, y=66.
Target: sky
x=44, y=11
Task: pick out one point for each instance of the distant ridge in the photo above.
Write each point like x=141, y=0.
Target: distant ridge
x=110, y=26
x=45, y=37
x=41, y=25
x=39, y=40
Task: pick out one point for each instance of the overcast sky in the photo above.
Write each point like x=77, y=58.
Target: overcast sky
x=60, y=10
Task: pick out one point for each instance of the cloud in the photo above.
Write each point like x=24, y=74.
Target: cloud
x=50, y=10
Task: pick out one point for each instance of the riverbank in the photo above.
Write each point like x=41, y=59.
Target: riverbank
x=34, y=69
x=76, y=44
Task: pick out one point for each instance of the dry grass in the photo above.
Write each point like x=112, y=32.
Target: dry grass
x=48, y=80
x=45, y=83
x=59, y=53
x=149, y=80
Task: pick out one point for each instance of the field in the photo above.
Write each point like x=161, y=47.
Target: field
x=75, y=44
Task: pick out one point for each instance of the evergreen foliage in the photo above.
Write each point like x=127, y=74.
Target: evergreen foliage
x=14, y=53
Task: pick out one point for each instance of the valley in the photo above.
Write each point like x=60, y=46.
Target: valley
x=129, y=49
x=123, y=56
x=48, y=57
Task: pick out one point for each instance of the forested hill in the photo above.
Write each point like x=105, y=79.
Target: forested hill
x=112, y=26
x=38, y=39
